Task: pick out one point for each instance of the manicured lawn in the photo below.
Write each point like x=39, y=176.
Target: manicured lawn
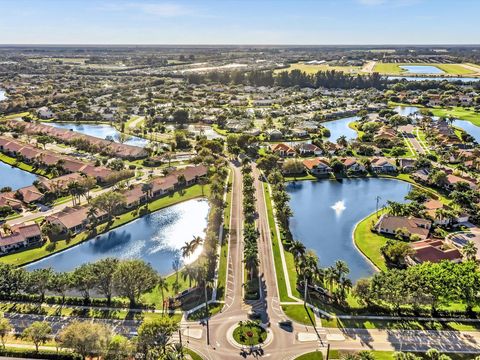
x=316, y=355
x=220, y=131
x=13, y=116
x=202, y=313
x=281, y=282
x=300, y=314
x=368, y=242
x=458, y=113
x=27, y=256
x=51, y=310
x=258, y=334
x=21, y=165
x=312, y=68
x=400, y=325
x=193, y=354
x=300, y=178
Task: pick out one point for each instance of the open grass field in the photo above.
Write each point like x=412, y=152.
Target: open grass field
x=312, y=68
x=449, y=69
x=458, y=113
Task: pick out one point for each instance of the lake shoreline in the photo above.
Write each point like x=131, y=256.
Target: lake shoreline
x=114, y=226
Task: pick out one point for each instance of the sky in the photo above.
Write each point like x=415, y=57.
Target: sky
x=196, y=22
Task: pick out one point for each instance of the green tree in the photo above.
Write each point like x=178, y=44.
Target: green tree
x=5, y=328
x=119, y=348
x=154, y=335
x=111, y=202
x=103, y=272
x=86, y=338
x=39, y=281
x=133, y=278
x=38, y=333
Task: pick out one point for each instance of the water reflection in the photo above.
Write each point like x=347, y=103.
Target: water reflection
x=156, y=238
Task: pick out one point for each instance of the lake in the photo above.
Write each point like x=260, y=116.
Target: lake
x=326, y=212
x=462, y=124
x=436, y=78
x=340, y=127
x=422, y=69
x=100, y=131
x=469, y=128
x=15, y=177
x=155, y=238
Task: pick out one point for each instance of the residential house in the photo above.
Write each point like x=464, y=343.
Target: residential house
x=382, y=165
x=317, y=166
x=74, y=219
x=45, y=113
x=433, y=251
x=20, y=236
x=352, y=164
x=274, y=134
x=388, y=224
x=283, y=150
x=306, y=149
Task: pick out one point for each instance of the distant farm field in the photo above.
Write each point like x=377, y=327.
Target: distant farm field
x=313, y=68
x=450, y=69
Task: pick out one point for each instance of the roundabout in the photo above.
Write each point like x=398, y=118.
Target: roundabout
x=249, y=333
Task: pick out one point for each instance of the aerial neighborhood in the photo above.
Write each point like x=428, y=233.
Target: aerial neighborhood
x=186, y=192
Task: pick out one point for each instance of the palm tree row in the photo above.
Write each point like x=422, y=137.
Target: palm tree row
x=250, y=233
x=306, y=261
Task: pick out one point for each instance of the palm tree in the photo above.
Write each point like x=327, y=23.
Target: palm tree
x=251, y=261
x=189, y=272
x=329, y=275
x=298, y=250
x=162, y=286
x=73, y=189
x=187, y=249
x=470, y=251
x=195, y=243
x=92, y=214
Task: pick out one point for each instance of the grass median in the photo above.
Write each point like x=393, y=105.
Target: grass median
x=281, y=281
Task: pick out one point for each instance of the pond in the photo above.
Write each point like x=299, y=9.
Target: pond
x=15, y=177
x=436, y=78
x=101, y=131
x=462, y=124
x=326, y=212
x=422, y=69
x=2, y=95
x=469, y=128
x=340, y=128
x=155, y=238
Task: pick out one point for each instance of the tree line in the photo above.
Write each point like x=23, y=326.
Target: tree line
x=321, y=79
x=250, y=232
x=425, y=285
x=96, y=339
x=107, y=277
